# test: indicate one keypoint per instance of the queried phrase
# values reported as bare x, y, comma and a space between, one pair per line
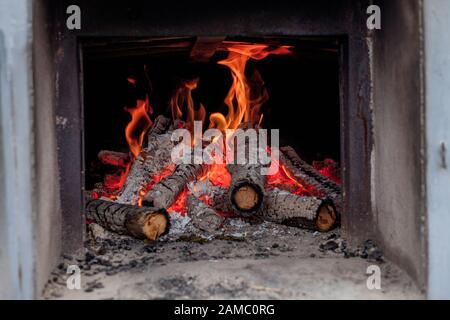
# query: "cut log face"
165, 192
246, 198
326, 218
141, 223
298, 211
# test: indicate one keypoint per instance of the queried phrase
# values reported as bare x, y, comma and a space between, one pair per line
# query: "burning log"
247, 188
298, 211
220, 199
127, 219
203, 216
247, 182
114, 158
150, 161
161, 125
165, 192
286, 208
306, 174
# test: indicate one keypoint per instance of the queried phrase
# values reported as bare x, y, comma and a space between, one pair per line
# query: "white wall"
437, 86
17, 151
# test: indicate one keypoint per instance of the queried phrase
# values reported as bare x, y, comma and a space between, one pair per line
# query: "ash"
244, 259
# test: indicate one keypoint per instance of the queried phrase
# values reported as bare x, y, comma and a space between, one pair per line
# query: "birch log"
165, 192
306, 174
150, 161
247, 182
138, 222
298, 211
203, 216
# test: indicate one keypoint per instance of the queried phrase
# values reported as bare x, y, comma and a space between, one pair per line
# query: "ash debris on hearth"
368, 250
108, 255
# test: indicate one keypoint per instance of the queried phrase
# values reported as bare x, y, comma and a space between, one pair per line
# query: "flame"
218, 175
257, 51
244, 100
180, 203
138, 126
246, 96
183, 107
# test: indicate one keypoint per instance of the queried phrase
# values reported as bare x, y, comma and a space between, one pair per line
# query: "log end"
156, 224
326, 217
246, 198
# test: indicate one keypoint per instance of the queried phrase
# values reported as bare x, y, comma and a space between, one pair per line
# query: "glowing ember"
180, 204
329, 168
154, 180
218, 175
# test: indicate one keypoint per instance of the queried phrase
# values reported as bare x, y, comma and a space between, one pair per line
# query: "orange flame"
285, 178
244, 100
246, 96
183, 107
138, 126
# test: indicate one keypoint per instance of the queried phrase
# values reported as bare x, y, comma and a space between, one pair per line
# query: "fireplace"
311, 82
303, 83
133, 74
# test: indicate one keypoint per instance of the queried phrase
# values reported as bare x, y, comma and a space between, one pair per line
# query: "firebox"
285, 83
138, 89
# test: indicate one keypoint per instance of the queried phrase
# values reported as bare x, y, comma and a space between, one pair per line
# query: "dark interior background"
303, 92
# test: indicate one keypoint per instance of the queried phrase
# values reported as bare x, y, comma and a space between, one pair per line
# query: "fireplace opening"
137, 93
324, 74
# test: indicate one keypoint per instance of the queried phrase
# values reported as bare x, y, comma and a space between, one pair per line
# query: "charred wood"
298, 211
114, 158
203, 216
150, 161
165, 192
306, 174
138, 222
